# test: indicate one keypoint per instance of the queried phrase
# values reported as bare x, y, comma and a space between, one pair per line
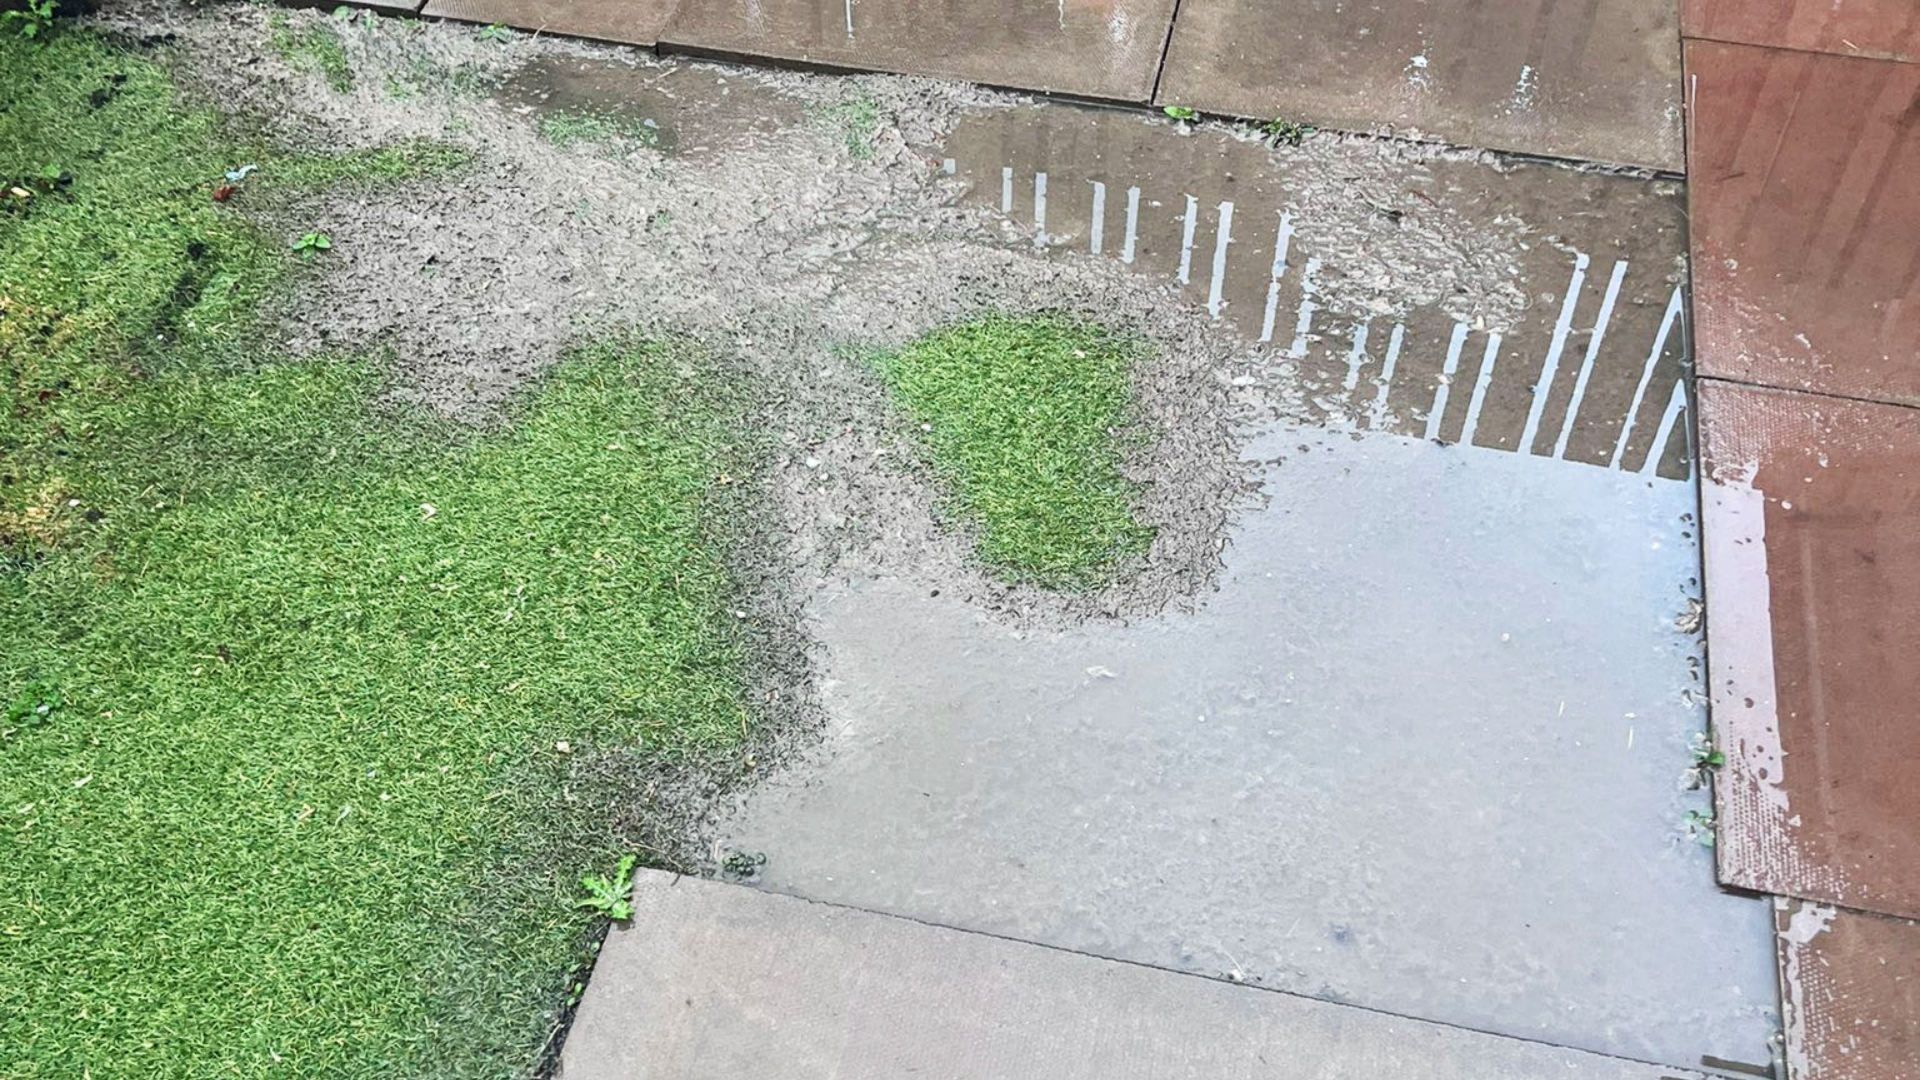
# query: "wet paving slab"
1594, 80
629, 22
1531, 308
1421, 752
1806, 206
1851, 987
1882, 28
1092, 48
1813, 577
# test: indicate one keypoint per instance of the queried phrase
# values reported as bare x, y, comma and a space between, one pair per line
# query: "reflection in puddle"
1526, 308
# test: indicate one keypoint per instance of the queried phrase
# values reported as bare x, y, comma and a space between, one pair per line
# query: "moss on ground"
292, 685
1026, 423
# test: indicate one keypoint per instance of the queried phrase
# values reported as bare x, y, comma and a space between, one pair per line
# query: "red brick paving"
1806, 220
1885, 28
1850, 992
1813, 593
1804, 186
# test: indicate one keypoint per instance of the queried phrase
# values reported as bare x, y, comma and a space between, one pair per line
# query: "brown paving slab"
397, 7
1813, 623
1805, 194
1096, 48
1850, 993
631, 22
1883, 28
1590, 79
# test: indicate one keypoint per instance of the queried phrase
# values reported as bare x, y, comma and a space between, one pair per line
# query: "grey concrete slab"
715, 980
1095, 48
1422, 752
1597, 80
1384, 273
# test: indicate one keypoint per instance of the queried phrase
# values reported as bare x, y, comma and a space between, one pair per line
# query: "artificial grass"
299, 681
1026, 421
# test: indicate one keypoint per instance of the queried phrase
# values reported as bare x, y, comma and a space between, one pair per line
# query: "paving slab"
1806, 201
1851, 983
1597, 80
1524, 307
716, 980
397, 7
629, 22
1813, 592
1421, 752
1093, 48
1882, 28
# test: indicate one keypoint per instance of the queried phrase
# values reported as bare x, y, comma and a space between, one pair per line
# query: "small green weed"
612, 897
308, 243
1706, 759
1026, 421
499, 32
1286, 132
1705, 756
33, 22
1699, 826
1181, 112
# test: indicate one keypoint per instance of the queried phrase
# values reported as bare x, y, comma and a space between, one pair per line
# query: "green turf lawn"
280, 791
1026, 421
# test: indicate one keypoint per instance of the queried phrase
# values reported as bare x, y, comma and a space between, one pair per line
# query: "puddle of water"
1521, 307
690, 111
1420, 751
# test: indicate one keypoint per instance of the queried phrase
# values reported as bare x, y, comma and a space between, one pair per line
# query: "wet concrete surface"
1094, 48
1596, 80
714, 112
1813, 576
1421, 752
1806, 206
713, 980
630, 22
1451, 296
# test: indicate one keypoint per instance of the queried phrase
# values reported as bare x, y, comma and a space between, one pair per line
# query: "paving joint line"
1803, 50
1828, 394
1177, 973
1166, 47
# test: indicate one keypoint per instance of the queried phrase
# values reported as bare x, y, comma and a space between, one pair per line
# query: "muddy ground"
782, 219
